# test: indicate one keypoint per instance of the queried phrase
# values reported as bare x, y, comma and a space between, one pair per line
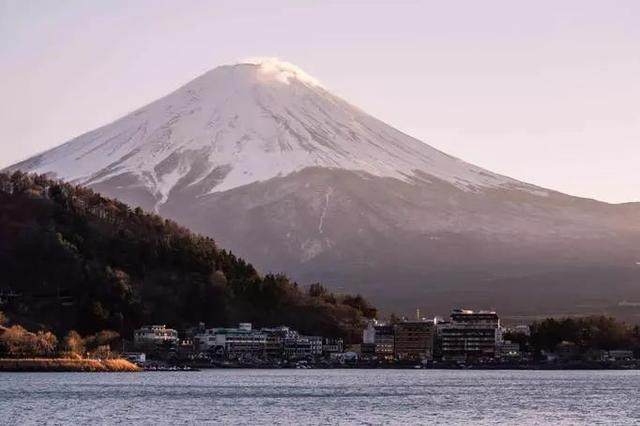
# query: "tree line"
584, 334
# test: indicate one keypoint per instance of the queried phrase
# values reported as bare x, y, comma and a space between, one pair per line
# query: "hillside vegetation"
72, 259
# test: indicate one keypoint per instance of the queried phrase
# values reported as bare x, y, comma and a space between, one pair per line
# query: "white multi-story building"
154, 334
233, 341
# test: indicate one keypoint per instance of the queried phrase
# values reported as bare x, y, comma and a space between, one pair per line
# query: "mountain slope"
271, 164
81, 261
430, 245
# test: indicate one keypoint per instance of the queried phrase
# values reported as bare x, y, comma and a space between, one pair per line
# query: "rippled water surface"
322, 397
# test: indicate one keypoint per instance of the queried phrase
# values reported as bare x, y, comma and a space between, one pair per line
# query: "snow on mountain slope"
250, 122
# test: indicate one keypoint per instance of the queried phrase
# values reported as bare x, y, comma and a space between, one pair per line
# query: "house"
150, 335
135, 357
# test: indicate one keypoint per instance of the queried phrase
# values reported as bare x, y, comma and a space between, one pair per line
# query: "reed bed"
68, 364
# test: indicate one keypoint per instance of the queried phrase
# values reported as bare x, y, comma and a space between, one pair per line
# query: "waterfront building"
381, 338
234, 342
368, 350
384, 341
135, 357
276, 337
297, 348
470, 335
284, 342
508, 351
620, 355
154, 335
274, 346
567, 351
413, 340
332, 346
315, 344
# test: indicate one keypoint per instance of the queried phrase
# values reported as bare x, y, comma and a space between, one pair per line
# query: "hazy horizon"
543, 93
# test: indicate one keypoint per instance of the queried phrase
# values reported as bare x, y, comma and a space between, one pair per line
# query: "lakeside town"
467, 339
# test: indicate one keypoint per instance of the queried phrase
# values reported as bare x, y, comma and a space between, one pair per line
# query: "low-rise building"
150, 335
567, 351
276, 337
620, 355
297, 348
384, 341
233, 342
332, 346
315, 343
508, 351
135, 357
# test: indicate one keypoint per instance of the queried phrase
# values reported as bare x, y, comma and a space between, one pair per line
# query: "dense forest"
72, 259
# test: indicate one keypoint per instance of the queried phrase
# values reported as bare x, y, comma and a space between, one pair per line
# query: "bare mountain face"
264, 159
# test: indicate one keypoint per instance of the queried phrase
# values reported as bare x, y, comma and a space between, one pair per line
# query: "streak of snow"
327, 195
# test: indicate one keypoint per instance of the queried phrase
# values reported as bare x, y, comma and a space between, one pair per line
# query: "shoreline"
576, 365
67, 365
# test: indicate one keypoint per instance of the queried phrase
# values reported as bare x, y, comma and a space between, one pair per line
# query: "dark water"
322, 397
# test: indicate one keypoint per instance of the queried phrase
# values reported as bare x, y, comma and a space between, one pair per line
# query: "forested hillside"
72, 259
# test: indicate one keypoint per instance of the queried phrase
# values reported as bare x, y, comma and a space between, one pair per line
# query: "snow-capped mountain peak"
282, 71
243, 123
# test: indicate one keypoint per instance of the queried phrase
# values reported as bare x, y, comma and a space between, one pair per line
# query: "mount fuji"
263, 158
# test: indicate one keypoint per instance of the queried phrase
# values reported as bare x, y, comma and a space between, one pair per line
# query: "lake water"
322, 397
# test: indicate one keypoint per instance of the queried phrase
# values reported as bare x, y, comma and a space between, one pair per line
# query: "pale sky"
543, 91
